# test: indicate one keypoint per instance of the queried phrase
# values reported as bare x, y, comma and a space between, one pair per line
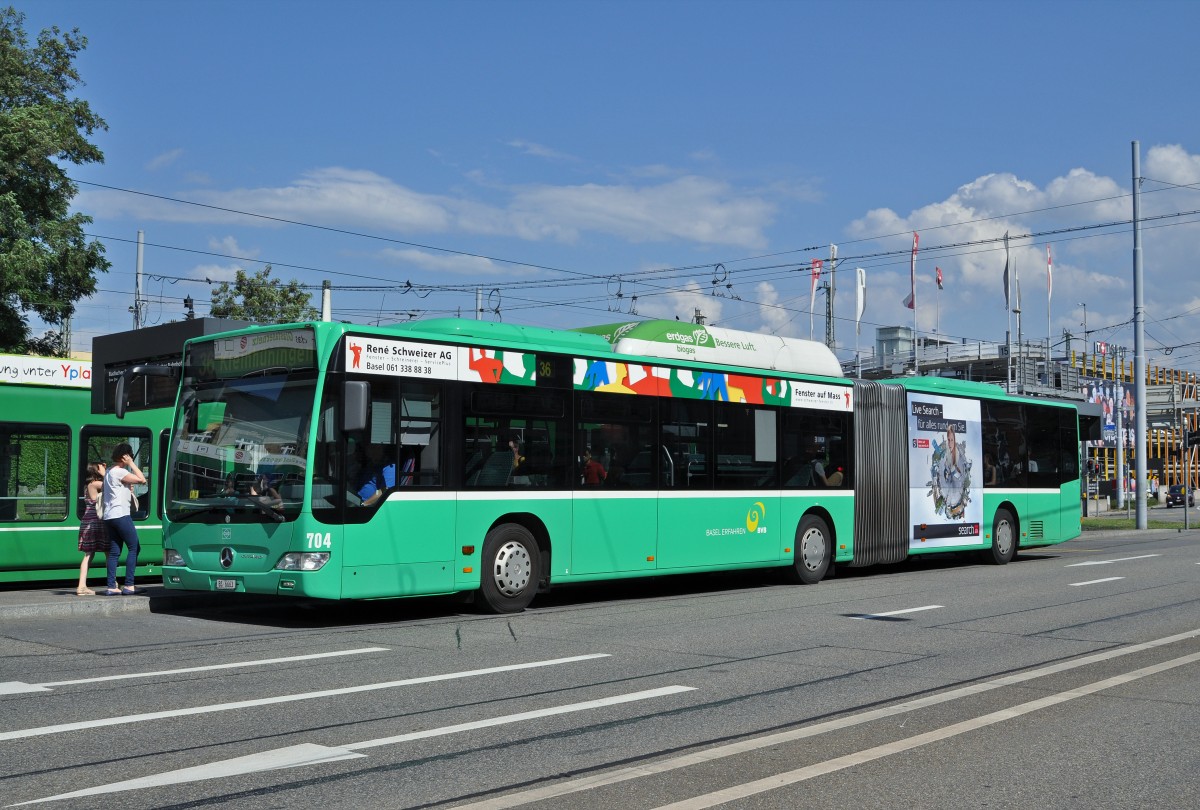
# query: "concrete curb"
62, 603
1132, 534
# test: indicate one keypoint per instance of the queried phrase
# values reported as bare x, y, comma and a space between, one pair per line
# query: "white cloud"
337, 196
1090, 265
776, 315
164, 160
1171, 164
229, 246
982, 210
681, 304
215, 272
538, 150
691, 209
446, 262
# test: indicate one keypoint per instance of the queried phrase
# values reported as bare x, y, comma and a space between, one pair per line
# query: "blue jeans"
121, 532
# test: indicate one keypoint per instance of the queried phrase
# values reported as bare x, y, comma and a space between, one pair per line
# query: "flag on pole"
1049, 275
1006, 284
817, 264
911, 301
939, 278
862, 299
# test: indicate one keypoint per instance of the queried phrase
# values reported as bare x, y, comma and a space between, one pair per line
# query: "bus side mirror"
122, 404
356, 401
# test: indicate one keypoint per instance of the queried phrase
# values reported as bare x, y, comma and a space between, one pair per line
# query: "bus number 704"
319, 540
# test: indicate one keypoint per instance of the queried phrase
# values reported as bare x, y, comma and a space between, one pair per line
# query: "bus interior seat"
494, 472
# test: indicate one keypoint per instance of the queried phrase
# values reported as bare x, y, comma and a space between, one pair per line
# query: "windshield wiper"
203, 510
275, 515
267, 372
254, 501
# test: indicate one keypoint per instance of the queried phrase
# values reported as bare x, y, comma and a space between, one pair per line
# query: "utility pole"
1139, 337
830, 289
1049, 295
1019, 369
1007, 321
138, 305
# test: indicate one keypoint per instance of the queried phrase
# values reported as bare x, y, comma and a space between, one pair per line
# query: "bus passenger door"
719, 501
615, 504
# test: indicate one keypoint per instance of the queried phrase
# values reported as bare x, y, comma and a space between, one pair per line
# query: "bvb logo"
756, 513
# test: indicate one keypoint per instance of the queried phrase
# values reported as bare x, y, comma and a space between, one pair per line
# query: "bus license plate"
227, 584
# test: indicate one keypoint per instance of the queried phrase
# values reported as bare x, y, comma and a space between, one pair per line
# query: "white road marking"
310, 753
1094, 581
17, 687
1110, 562
245, 704
897, 612
937, 735
291, 757
555, 790
515, 718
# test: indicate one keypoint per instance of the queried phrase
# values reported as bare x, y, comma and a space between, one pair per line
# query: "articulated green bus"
348, 462
48, 436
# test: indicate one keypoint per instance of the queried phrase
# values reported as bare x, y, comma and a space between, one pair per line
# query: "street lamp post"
1084, 305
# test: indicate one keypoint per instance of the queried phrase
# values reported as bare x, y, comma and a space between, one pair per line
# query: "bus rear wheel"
1004, 539
511, 569
814, 551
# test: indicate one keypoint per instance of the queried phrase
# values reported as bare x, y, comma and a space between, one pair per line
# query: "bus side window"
98, 443
420, 435
34, 467
495, 417
687, 442
329, 463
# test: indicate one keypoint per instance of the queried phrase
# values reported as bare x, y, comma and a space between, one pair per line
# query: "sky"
588, 162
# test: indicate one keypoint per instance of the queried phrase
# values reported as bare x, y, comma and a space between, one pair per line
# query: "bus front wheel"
814, 551
1004, 539
511, 569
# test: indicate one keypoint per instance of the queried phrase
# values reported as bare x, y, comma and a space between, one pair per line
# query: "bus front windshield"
241, 430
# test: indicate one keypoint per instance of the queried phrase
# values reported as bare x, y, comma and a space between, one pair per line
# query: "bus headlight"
172, 557
302, 561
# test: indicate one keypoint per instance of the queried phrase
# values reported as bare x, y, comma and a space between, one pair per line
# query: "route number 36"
319, 540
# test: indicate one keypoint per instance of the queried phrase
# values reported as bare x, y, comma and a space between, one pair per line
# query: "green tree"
263, 299
46, 261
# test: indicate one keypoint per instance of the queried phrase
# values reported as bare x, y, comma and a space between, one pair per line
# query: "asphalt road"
1068, 679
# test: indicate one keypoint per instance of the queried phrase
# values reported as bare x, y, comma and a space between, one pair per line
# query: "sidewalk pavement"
20, 600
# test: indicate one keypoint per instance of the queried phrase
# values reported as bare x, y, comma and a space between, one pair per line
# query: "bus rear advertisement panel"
458, 456
945, 484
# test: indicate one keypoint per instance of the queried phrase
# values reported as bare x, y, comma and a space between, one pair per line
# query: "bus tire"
814, 551
511, 569
1004, 539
